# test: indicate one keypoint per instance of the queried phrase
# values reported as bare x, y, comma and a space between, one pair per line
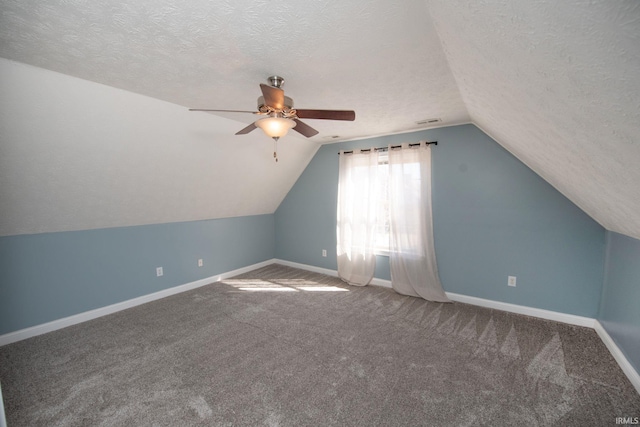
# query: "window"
411, 171
382, 224
384, 207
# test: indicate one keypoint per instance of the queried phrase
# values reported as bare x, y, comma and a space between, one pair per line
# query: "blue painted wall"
620, 306
493, 217
44, 277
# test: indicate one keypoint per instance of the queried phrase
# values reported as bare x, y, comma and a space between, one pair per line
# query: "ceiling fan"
280, 116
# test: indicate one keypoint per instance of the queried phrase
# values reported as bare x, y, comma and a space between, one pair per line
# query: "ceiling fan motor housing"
263, 108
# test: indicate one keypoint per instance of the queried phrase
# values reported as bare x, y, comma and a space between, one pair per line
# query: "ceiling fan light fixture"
275, 127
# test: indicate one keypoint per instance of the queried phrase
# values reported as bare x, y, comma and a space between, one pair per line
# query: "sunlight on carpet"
281, 285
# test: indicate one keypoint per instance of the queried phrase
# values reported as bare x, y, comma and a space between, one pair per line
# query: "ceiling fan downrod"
276, 81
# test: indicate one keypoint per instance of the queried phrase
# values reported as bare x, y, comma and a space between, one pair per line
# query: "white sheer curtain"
412, 254
357, 197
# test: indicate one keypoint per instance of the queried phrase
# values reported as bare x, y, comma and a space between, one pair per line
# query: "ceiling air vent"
429, 121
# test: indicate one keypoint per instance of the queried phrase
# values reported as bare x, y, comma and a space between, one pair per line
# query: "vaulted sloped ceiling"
556, 83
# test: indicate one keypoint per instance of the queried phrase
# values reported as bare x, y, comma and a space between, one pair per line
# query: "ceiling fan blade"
304, 129
246, 130
273, 96
222, 111
326, 114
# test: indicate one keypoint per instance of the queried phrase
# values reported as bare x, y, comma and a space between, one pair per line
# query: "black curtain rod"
393, 146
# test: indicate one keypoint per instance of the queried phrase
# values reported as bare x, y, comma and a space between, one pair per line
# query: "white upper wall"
79, 155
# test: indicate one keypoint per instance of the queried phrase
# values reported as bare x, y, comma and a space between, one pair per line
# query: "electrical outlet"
200, 263
511, 281
324, 253
159, 271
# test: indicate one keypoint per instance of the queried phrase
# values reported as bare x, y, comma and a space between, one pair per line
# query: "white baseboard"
103, 311
617, 354
512, 308
522, 309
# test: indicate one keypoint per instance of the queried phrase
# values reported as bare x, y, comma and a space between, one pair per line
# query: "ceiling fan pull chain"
275, 149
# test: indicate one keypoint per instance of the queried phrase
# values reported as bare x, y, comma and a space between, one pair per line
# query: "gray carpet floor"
286, 347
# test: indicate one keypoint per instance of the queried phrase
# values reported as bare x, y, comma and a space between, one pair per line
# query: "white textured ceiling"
556, 83
382, 59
